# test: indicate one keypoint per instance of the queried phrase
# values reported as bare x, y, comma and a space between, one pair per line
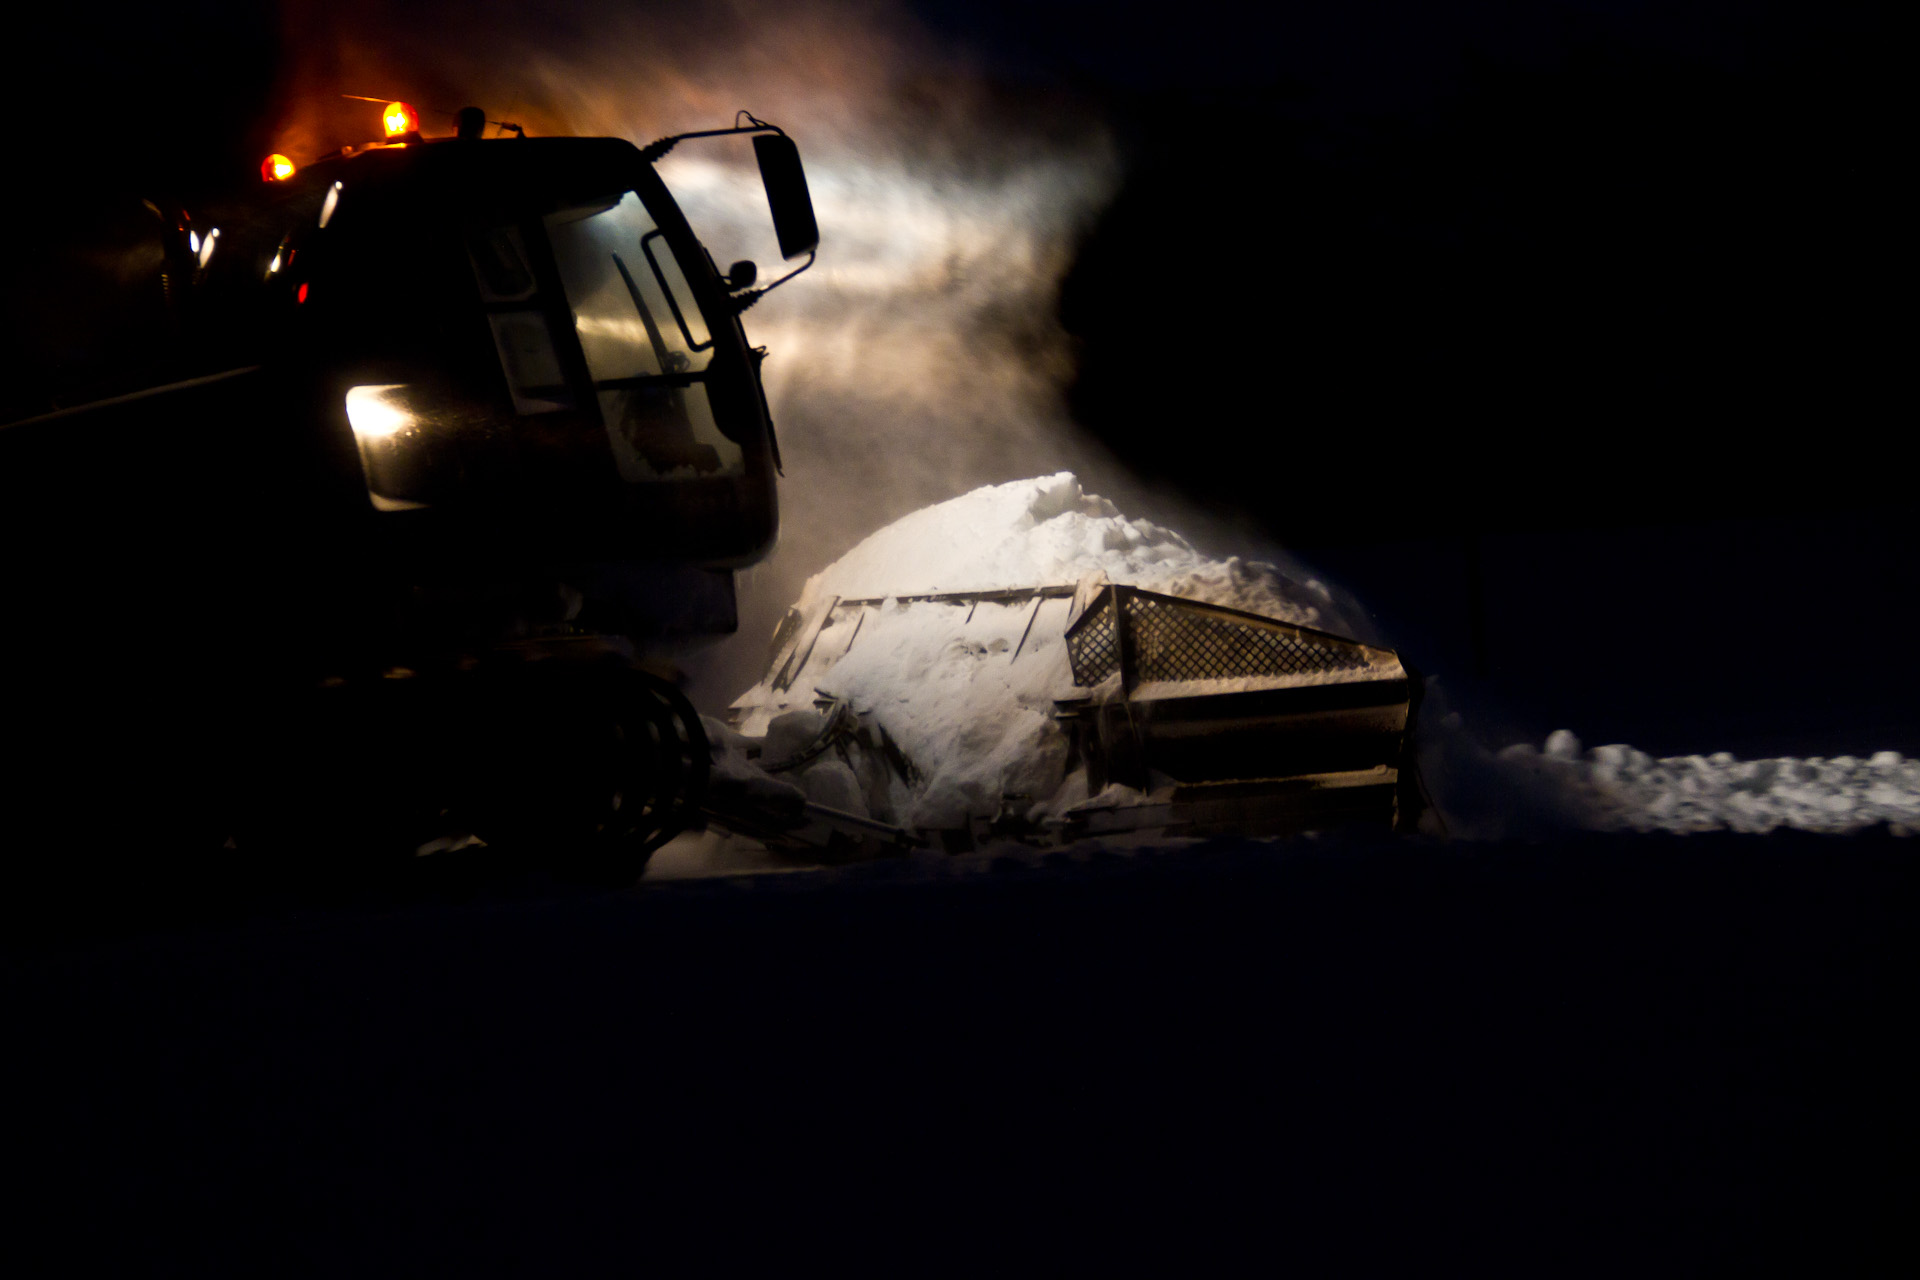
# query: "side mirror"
787, 194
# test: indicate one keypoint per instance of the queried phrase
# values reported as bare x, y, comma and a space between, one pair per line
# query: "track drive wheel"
591, 769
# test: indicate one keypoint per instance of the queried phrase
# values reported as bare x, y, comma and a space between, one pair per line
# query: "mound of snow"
1048, 531
967, 693
977, 725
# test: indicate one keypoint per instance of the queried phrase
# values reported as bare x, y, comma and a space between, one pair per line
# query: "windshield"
509, 353
640, 331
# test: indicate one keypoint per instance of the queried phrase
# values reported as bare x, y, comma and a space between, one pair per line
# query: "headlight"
376, 413
390, 447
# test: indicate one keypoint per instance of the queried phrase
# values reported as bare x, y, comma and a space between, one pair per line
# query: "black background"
1673, 1056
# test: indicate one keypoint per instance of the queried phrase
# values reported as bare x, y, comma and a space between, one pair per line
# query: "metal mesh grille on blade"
1173, 642
1093, 648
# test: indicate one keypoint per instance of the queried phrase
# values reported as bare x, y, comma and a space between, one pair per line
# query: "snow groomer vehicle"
457, 430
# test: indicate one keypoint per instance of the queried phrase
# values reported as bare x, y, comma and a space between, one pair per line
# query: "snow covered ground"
1618, 788
966, 692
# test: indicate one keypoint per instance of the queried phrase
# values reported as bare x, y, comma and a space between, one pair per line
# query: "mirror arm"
656, 149
741, 301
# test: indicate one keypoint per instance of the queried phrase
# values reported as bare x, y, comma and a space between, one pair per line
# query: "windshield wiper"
661, 355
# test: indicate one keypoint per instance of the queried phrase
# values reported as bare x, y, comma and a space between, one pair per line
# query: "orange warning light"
399, 119
276, 168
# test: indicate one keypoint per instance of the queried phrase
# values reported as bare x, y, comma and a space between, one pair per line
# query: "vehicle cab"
508, 356
523, 336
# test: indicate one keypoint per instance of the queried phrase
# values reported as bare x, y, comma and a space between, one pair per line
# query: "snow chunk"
1562, 745
737, 779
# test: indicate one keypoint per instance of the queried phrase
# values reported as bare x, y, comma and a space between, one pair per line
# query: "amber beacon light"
399, 120
276, 168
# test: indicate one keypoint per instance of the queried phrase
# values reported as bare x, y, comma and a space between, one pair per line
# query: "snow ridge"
1618, 788
1049, 531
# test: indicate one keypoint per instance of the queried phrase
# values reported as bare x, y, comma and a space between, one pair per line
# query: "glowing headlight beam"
375, 417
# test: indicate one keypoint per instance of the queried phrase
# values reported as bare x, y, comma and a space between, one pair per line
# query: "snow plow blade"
1233, 722
1186, 718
